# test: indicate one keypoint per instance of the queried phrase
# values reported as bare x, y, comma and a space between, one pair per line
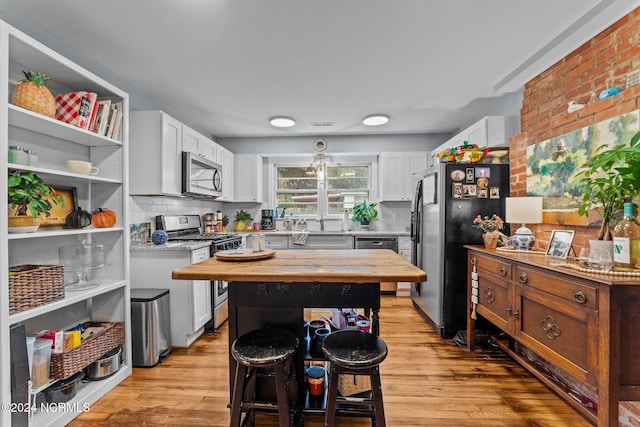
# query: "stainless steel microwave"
200, 176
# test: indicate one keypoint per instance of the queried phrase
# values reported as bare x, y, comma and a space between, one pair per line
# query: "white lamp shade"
523, 210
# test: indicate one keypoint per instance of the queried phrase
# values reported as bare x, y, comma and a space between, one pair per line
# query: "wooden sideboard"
587, 325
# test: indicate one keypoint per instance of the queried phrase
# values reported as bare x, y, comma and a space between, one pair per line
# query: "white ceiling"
226, 66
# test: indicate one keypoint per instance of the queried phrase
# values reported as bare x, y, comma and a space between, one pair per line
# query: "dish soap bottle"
345, 220
626, 240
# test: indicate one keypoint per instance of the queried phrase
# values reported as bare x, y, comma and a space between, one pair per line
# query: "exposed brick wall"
599, 63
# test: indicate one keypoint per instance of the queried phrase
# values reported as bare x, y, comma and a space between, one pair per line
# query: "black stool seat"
354, 349
359, 353
264, 347
269, 351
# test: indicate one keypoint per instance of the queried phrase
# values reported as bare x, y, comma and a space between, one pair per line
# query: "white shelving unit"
56, 142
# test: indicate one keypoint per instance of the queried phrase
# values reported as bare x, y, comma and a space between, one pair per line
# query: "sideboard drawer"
494, 266
573, 291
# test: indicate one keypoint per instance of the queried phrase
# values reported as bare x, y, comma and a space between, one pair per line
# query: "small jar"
17, 155
315, 377
32, 158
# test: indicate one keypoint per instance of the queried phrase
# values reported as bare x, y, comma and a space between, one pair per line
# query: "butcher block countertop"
303, 265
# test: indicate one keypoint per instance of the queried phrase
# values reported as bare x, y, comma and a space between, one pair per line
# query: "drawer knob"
490, 295
474, 261
503, 271
509, 310
550, 327
580, 297
516, 314
523, 278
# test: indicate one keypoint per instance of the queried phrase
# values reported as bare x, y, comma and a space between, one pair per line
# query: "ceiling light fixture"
375, 120
282, 121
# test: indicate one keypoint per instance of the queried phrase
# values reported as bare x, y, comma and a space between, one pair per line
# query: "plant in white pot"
606, 179
29, 196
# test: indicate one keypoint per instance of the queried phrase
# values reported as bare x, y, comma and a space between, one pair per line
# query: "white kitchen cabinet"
404, 250
395, 174
319, 241
56, 142
190, 301
197, 143
156, 154
276, 241
228, 176
248, 178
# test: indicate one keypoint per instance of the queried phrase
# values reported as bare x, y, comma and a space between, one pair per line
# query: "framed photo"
140, 233
483, 172
457, 190
470, 176
483, 193
58, 214
560, 243
469, 190
494, 192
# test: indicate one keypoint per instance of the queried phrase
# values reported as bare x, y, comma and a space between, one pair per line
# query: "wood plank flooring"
427, 381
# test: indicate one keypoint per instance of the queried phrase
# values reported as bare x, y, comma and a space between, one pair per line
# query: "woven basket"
31, 286
348, 384
63, 365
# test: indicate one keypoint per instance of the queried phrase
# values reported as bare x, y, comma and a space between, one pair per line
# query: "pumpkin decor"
103, 218
78, 219
32, 94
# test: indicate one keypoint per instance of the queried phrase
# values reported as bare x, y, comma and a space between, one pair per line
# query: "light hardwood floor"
427, 381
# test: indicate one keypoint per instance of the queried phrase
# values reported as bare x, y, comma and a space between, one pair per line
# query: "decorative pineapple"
32, 94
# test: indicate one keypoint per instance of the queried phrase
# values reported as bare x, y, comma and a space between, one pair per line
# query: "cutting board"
244, 255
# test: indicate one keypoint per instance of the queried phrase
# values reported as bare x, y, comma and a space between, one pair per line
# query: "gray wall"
335, 143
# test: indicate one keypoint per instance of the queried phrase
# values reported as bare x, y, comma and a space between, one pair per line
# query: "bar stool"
357, 353
270, 351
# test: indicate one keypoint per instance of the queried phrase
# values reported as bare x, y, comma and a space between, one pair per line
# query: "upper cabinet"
395, 174
491, 131
249, 179
228, 175
195, 142
105, 297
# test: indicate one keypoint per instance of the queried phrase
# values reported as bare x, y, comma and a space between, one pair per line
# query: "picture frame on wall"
58, 212
560, 243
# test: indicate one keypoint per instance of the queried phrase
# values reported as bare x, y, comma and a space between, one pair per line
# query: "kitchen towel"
299, 238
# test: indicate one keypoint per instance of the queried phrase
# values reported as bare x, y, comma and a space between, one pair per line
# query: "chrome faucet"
321, 221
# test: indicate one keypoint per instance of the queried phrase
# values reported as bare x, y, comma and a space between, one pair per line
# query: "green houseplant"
30, 197
364, 212
609, 177
240, 221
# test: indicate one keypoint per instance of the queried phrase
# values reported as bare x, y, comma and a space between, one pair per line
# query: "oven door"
220, 291
201, 177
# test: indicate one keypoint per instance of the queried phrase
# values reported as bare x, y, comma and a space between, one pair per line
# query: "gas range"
188, 228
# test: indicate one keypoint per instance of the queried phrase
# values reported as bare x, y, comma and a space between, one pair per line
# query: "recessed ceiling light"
375, 120
282, 121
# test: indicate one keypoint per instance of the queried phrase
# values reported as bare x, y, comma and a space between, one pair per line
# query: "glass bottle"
626, 241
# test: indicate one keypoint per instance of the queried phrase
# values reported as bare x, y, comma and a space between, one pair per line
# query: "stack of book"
84, 110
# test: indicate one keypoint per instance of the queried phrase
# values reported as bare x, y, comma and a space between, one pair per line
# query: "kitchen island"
275, 291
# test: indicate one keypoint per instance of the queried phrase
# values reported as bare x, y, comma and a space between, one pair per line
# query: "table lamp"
523, 210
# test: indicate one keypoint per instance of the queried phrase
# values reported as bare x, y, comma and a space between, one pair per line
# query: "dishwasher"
379, 242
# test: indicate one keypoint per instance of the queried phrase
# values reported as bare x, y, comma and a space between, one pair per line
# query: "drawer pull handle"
523, 277
509, 310
490, 295
516, 314
550, 327
503, 270
473, 261
580, 296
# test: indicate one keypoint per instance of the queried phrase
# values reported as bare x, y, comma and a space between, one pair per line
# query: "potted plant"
364, 213
490, 227
606, 179
30, 197
240, 222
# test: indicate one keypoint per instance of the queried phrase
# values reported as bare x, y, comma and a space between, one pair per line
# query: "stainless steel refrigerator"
446, 200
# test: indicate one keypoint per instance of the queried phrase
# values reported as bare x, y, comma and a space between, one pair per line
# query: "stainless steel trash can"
150, 326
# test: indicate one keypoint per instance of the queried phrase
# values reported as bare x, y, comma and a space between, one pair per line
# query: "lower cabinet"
583, 325
190, 301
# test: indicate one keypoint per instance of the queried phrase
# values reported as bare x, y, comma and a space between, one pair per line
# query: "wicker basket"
63, 365
31, 286
349, 384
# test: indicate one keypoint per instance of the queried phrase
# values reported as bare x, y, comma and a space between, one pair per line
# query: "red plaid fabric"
74, 108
